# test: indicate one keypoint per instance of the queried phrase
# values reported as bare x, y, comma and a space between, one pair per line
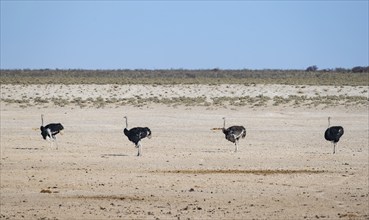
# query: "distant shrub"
360, 69
312, 68
341, 70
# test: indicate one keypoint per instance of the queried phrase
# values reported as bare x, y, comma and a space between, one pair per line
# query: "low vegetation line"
104, 197
258, 101
179, 76
256, 172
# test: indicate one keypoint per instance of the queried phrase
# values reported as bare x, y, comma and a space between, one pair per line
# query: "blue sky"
184, 34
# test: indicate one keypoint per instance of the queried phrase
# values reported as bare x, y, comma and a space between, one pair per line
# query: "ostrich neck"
126, 123
329, 122
224, 123
42, 120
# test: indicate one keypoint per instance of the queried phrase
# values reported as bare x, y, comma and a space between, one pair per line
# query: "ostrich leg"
334, 148
235, 143
139, 149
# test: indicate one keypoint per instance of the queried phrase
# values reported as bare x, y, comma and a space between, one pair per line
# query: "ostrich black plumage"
50, 130
234, 133
333, 134
136, 134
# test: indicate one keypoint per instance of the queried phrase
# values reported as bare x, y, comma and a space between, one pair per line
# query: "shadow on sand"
114, 155
26, 148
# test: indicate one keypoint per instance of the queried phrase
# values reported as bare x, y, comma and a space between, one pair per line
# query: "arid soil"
284, 169
170, 91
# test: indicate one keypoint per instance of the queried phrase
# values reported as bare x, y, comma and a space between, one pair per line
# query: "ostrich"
136, 134
234, 133
50, 130
333, 134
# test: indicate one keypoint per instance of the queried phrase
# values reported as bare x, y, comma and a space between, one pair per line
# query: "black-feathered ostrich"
333, 134
136, 134
234, 133
50, 130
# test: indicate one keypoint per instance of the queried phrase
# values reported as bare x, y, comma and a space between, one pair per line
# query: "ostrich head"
329, 121
126, 121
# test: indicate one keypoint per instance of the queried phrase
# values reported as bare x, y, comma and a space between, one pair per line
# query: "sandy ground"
171, 91
283, 170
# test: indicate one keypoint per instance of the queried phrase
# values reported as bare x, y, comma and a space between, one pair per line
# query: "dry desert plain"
285, 169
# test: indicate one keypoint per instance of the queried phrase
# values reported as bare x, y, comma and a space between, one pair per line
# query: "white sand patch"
171, 91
